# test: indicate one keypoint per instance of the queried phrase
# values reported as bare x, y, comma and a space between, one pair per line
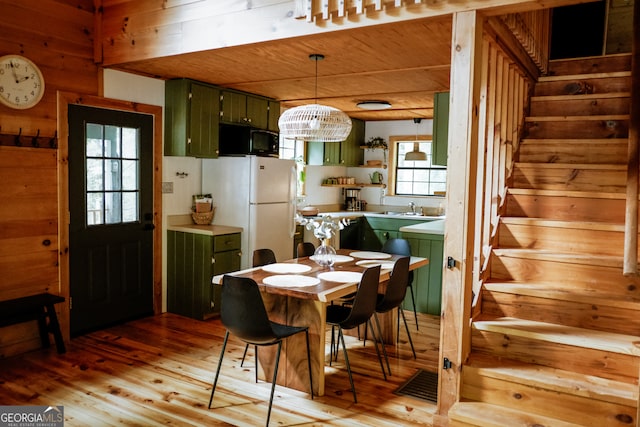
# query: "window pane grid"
418, 178
112, 174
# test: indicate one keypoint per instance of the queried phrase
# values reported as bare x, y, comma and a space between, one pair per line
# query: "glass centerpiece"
324, 228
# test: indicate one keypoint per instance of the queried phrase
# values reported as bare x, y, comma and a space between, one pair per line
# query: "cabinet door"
274, 116
440, 128
204, 121
332, 153
427, 282
233, 107
350, 152
176, 113
323, 153
257, 112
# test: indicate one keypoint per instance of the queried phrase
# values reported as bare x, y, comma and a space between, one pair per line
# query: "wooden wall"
58, 36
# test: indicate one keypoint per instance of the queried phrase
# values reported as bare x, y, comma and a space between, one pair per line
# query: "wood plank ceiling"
402, 63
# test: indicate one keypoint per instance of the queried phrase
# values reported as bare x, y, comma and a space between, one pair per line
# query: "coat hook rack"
34, 140
53, 142
17, 140
182, 174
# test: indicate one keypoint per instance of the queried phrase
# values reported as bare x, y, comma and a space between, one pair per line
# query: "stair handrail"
630, 262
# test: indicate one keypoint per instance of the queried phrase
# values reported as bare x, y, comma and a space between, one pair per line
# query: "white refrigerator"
257, 194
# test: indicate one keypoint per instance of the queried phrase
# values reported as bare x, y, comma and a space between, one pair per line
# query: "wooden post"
633, 162
455, 339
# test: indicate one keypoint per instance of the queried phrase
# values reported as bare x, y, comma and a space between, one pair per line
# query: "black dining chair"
243, 313
305, 249
392, 298
263, 257
260, 257
360, 312
398, 246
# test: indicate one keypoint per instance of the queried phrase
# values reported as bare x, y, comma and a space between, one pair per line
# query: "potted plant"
378, 143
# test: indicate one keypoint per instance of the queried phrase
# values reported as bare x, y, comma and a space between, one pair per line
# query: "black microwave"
237, 140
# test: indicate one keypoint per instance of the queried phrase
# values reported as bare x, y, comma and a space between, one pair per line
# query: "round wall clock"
21, 82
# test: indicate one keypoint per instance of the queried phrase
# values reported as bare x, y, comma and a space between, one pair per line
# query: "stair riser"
562, 312
596, 85
569, 179
587, 361
564, 129
610, 64
566, 208
579, 107
565, 275
574, 240
613, 152
535, 400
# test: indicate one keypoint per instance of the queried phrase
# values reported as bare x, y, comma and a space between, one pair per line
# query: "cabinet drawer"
225, 242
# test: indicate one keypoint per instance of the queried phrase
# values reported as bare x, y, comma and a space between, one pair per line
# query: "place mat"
340, 276
286, 267
384, 265
336, 258
290, 281
370, 255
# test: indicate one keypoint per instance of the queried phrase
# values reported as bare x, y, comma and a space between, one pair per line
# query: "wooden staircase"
556, 341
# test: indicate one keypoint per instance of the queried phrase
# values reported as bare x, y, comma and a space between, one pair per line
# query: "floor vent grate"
422, 385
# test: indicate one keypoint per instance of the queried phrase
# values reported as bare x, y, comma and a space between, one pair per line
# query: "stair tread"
560, 334
554, 379
555, 291
563, 193
592, 117
582, 96
489, 415
563, 77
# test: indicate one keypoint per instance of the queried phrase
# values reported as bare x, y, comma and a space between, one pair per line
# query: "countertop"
357, 214
185, 224
429, 227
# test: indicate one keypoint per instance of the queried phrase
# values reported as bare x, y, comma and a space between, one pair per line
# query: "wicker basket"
203, 218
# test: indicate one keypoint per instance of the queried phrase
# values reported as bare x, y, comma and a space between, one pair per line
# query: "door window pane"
112, 183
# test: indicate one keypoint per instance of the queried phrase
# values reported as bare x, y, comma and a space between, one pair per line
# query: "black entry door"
111, 205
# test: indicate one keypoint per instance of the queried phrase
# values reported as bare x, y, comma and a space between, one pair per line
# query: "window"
293, 149
416, 178
112, 174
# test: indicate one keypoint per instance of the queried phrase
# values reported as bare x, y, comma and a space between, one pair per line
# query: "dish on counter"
340, 276
384, 265
286, 267
337, 258
290, 281
370, 255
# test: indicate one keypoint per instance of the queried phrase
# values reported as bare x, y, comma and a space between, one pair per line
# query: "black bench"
35, 307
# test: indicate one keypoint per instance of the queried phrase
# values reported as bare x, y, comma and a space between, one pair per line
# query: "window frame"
393, 166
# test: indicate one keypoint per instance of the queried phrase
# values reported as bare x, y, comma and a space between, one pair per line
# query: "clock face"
21, 82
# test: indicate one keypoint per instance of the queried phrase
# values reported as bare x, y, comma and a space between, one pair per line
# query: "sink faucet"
412, 205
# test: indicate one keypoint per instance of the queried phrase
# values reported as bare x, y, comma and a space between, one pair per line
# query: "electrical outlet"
167, 187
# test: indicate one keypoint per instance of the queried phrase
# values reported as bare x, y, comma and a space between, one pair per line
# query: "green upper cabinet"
241, 108
345, 153
440, 128
191, 119
274, 115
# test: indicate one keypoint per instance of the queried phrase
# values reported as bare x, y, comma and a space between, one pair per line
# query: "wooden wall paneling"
455, 338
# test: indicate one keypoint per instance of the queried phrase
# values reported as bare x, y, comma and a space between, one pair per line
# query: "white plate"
370, 255
384, 265
338, 258
282, 268
290, 281
341, 276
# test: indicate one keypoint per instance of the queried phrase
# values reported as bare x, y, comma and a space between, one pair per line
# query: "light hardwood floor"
159, 370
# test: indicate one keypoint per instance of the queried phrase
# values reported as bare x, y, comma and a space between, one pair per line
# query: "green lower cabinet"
192, 260
427, 282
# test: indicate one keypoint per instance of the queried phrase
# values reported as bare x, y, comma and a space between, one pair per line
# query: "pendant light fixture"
416, 154
315, 122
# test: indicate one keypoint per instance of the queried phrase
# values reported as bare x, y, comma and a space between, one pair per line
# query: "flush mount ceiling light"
416, 154
373, 105
315, 122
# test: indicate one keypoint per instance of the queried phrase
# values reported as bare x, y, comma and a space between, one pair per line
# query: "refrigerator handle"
294, 200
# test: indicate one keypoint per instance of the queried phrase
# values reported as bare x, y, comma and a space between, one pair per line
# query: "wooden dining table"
296, 292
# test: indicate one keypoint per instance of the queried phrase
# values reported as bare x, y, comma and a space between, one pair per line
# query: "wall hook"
17, 141
52, 141
34, 140
182, 174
